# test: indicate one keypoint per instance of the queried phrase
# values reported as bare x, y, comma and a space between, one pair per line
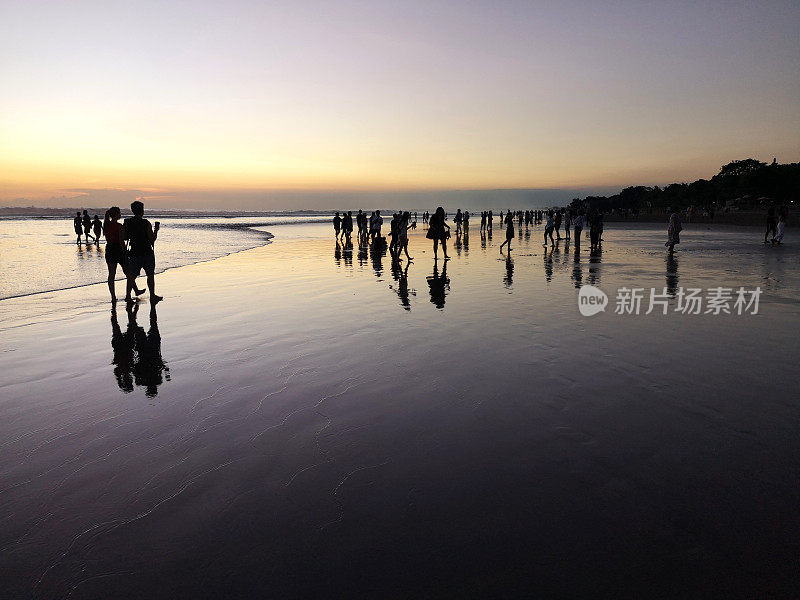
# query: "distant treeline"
740, 185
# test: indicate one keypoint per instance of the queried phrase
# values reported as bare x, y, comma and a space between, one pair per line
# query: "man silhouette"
141, 236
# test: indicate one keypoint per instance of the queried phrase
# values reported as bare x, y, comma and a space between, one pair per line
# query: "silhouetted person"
509, 231
781, 231
402, 234
673, 232
142, 236
578, 230
347, 223
438, 231
557, 224
596, 230
548, 229
394, 226
97, 228
439, 285
771, 223
567, 223
77, 223
115, 250
337, 224
457, 220
137, 355
375, 223
87, 225
361, 219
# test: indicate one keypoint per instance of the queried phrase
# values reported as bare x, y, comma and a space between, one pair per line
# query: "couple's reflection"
137, 355
439, 284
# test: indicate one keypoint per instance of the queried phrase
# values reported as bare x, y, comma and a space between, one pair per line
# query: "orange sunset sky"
236, 104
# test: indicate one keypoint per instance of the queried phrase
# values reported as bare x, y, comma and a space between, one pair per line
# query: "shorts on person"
137, 263
116, 255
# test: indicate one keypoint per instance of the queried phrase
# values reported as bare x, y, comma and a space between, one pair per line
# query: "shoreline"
266, 241
646, 221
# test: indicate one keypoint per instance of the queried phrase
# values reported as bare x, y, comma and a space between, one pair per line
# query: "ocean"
40, 254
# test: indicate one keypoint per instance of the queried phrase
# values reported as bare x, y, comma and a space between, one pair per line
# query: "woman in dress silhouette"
438, 231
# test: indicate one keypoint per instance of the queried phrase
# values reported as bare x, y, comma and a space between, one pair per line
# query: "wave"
49, 273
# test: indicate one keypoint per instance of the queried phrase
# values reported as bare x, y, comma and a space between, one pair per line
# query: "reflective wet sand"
308, 419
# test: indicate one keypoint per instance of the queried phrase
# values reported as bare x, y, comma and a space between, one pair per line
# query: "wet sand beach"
308, 420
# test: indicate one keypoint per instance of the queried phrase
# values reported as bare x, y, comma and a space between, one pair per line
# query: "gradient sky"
230, 100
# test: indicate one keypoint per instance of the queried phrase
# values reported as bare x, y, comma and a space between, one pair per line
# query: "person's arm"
152, 233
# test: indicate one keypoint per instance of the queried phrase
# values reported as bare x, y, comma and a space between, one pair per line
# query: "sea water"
41, 254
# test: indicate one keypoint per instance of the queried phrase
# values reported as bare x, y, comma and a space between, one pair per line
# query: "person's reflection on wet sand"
672, 275
483, 239
122, 345
400, 275
377, 251
337, 253
137, 355
363, 248
347, 251
508, 278
548, 264
577, 269
439, 285
595, 259
466, 242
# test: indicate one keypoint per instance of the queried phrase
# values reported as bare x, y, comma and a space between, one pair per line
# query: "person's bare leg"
444, 249
151, 285
112, 275
405, 249
129, 285
435, 248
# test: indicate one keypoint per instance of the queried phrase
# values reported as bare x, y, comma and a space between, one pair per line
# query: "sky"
294, 104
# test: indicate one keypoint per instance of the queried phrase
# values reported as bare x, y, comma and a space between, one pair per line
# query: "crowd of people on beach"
130, 244
439, 231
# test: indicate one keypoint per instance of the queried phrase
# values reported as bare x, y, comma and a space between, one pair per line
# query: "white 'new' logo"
591, 300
